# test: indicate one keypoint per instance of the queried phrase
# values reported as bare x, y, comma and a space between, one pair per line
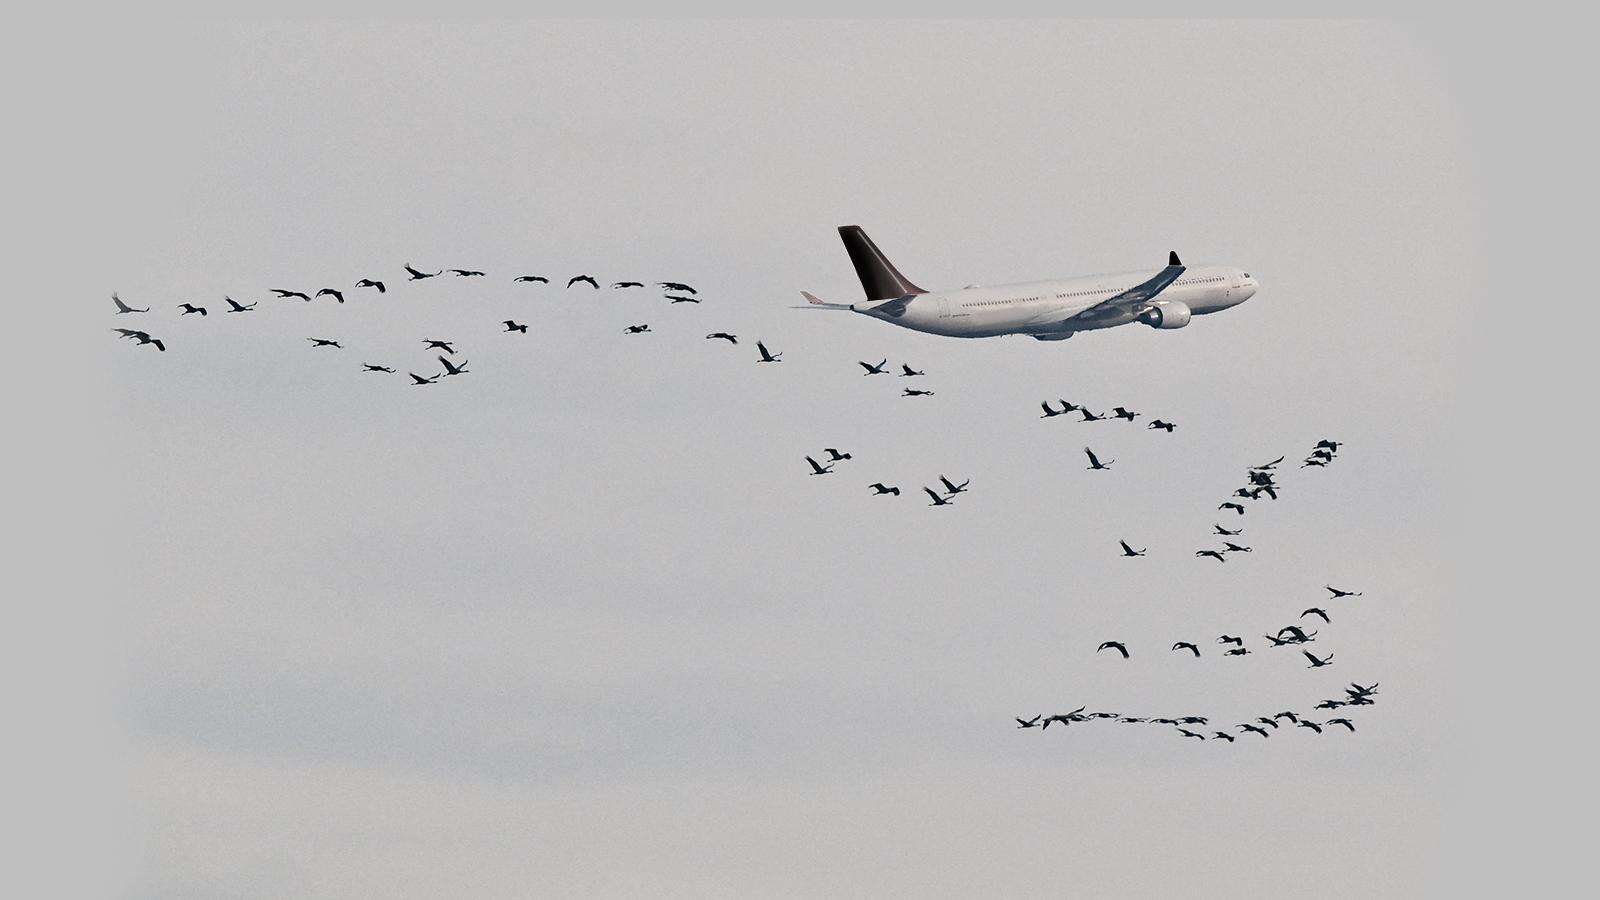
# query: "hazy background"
581, 623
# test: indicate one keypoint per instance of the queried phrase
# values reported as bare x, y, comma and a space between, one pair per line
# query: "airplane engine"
1166, 314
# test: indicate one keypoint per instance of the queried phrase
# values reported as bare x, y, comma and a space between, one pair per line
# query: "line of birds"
1089, 415
878, 488
1288, 635
1355, 695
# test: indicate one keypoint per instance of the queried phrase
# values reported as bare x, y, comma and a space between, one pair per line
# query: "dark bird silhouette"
1164, 426
1337, 593
1243, 492
1278, 641
418, 276
1307, 723
768, 357
1260, 477
722, 336
873, 369
818, 468
1233, 506
1048, 412
1341, 721
418, 379
330, 292
583, 278
1231, 547
528, 278
677, 286
1223, 735
1317, 663
440, 345
1194, 720
1266, 466
1094, 461
1230, 639
1267, 489
1067, 407
288, 294
627, 284
1330, 446
683, 299
1065, 718
908, 372
467, 273
1029, 723
1268, 720
1295, 634
1316, 611
1185, 645
1129, 551
191, 308
1187, 733
1089, 416
637, 329
324, 342
1313, 462
881, 488
1214, 554
913, 392
1358, 690
452, 369
142, 337
128, 332
1238, 651
937, 500
1121, 413
1331, 704
954, 489
1114, 645
1257, 729
235, 306
372, 283
125, 308
369, 367
513, 326
1218, 529
834, 455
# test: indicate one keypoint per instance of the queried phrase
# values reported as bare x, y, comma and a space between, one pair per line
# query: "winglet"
1172, 258
815, 302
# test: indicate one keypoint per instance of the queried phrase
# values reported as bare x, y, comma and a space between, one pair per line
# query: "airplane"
1044, 310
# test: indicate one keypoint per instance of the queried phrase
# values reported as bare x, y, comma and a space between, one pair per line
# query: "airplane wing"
1139, 294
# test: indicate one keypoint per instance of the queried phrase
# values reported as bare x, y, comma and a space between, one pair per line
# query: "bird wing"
1092, 460
936, 497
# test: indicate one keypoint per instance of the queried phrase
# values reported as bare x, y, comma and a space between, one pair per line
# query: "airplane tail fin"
879, 278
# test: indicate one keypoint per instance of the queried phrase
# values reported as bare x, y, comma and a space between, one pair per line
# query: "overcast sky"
581, 623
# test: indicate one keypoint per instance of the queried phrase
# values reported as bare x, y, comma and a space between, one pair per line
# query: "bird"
1269, 490
1307, 723
1238, 651
1089, 416
881, 488
1231, 547
1286, 715
1129, 551
371, 283
529, 278
1114, 645
1317, 663
1313, 462
1065, 718
1341, 721
954, 489
1029, 723
1356, 689
1296, 634
1187, 733
418, 379
908, 372
1278, 641
637, 329
1214, 554
156, 342
324, 342
1331, 704
369, 367
125, 308
835, 455
191, 308
288, 294
418, 276
467, 273
1230, 639
913, 392
937, 500
1185, 645
767, 357
1268, 720
1257, 729
451, 369
330, 292
585, 278
1094, 461
627, 284
722, 336
1233, 506
1223, 531
1067, 406
513, 326
235, 306
873, 369
1121, 413
1223, 735
127, 332
1049, 412
1337, 593
1164, 426
818, 468
439, 345
1265, 466
1261, 477
677, 286
683, 299
1329, 445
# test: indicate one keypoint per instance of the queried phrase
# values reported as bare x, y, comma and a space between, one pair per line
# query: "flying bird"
1065, 718
1129, 551
1337, 593
1049, 412
1268, 720
235, 306
1317, 663
1029, 723
525, 278
1257, 729
1331, 446
324, 342
1231, 547
1230, 639
1313, 462
1089, 416
330, 292
937, 500
627, 284
818, 468
1296, 634
125, 308
451, 369
1223, 735
1307, 723
418, 379
1238, 651
1345, 722
873, 369
418, 276
1187, 733
1265, 466
1094, 461
439, 345
467, 273
513, 326
1214, 554
908, 372
1185, 645
191, 308
881, 488
767, 357
1233, 506
677, 286
1164, 426
1067, 407
913, 392
1316, 611
953, 489
834, 455
1223, 531
1121, 413
683, 299
368, 282
369, 367
637, 329
722, 336
1114, 645
288, 294
156, 342
584, 278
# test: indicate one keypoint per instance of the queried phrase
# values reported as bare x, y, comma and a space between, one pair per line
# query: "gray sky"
581, 623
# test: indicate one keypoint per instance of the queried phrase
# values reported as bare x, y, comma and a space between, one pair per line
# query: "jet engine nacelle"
1166, 314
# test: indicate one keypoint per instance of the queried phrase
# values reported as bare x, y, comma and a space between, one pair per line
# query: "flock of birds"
1354, 695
